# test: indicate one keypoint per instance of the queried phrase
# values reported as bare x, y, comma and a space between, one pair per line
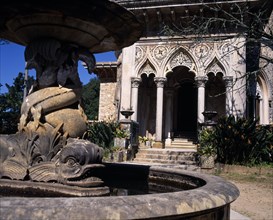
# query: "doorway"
186, 110
184, 103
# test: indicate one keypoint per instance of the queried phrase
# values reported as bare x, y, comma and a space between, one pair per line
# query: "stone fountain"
48, 161
47, 147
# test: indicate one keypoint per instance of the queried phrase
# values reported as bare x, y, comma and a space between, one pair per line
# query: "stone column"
201, 82
228, 83
135, 81
168, 121
159, 110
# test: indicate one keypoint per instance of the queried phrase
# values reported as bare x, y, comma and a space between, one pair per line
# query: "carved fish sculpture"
67, 162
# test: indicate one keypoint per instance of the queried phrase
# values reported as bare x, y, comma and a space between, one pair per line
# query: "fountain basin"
208, 197
96, 25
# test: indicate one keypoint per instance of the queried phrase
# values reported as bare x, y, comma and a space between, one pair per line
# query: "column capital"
201, 81
160, 81
228, 81
135, 81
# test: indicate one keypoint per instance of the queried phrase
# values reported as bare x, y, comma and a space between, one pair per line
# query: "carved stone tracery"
215, 67
148, 69
181, 59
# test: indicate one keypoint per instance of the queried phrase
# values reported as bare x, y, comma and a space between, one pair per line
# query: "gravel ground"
256, 198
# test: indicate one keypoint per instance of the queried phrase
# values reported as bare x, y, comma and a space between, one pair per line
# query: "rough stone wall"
107, 108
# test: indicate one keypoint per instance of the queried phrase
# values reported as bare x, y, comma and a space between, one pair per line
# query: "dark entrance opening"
186, 110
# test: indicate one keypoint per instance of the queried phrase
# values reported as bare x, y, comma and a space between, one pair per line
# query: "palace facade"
169, 80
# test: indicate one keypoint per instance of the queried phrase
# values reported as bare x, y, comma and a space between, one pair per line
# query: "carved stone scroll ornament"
47, 147
49, 158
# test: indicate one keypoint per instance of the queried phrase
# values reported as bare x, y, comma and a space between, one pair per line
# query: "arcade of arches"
180, 101
169, 86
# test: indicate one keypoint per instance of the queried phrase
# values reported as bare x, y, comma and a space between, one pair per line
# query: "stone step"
166, 157
148, 160
168, 151
182, 143
181, 140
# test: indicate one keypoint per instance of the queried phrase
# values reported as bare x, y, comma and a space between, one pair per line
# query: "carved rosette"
160, 81
159, 53
135, 82
201, 50
140, 54
201, 81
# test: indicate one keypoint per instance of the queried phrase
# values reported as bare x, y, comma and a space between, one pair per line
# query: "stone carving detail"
46, 147
181, 59
139, 53
201, 51
147, 69
228, 81
160, 81
135, 81
215, 67
160, 52
200, 81
226, 49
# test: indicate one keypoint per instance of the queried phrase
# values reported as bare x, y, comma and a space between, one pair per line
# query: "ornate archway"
181, 103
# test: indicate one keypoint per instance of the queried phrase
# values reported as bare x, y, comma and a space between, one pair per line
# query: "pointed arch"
263, 97
215, 66
180, 57
147, 68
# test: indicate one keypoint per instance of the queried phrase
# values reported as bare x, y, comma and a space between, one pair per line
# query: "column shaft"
135, 81
159, 107
201, 81
168, 121
228, 82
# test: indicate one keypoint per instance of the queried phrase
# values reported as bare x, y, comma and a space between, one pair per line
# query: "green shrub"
242, 142
102, 133
206, 142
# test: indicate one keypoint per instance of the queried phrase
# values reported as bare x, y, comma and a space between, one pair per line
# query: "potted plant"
206, 149
121, 137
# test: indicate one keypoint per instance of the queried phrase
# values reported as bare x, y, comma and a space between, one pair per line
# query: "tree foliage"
10, 104
90, 98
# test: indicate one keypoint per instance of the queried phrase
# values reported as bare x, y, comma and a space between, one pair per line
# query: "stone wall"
107, 107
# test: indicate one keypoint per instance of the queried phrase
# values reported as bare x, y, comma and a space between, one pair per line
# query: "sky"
12, 62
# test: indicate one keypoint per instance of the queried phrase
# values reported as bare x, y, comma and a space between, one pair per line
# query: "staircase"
165, 156
182, 144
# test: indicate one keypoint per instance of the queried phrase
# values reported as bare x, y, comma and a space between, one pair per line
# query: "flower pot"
121, 142
207, 162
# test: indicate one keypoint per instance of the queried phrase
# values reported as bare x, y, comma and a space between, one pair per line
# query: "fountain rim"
214, 194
